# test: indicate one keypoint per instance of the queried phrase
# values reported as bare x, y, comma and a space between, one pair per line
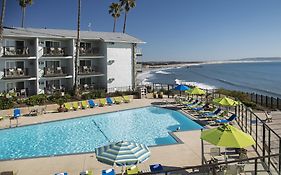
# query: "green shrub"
6, 103
37, 100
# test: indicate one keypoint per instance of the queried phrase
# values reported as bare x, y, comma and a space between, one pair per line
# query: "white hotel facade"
42, 61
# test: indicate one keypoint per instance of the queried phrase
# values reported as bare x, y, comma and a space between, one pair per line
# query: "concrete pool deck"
176, 155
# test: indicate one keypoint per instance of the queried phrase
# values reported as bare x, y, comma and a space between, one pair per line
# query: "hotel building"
42, 61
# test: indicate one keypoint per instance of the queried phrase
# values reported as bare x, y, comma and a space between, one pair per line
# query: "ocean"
258, 77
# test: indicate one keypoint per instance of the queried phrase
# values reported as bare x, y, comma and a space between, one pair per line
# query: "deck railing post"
263, 140
266, 101
246, 119
271, 102
268, 147
256, 133
279, 161
256, 98
242, 108
256, 167
261, 99
251, 122
277, 103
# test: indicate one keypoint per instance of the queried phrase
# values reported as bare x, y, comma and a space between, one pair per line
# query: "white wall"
121, 68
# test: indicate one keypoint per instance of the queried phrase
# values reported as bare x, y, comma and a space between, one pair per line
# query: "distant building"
42, 61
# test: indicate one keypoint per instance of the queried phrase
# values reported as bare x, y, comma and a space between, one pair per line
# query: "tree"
115, 10
127, 5
24, 4
2, 18
76, 89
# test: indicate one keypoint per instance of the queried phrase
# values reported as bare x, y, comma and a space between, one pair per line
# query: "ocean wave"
162, 72
239, 85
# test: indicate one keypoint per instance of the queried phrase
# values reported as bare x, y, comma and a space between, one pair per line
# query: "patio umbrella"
122, 153
225, 101
227, 136
196, 91
181, 88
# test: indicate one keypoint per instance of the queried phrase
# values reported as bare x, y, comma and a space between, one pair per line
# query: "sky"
183, 30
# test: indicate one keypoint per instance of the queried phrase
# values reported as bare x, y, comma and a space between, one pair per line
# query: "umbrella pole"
202, 150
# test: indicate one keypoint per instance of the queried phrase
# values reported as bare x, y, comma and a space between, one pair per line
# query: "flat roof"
69, 34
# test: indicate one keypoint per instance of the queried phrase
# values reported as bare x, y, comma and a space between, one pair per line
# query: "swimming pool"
149, 125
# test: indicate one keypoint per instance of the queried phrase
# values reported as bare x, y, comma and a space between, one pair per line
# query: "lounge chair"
126, 99
231, 118
132, 170
117, 100
199, 108
76, 105
68, 106
87, 172
156, 168
192, 103
61, 173
92, 103
109, 101
102, 102
108, 172
17, 113
211, 114
84, 104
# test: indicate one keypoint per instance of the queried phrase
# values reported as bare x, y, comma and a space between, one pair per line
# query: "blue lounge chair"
210, 114
231, 118
17, 113
109, 101
92, 103
156, 167
193, 103
61, 174
108, 172
199, 108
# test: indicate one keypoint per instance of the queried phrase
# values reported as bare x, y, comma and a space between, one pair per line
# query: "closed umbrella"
181, 88
122, 153
227, 136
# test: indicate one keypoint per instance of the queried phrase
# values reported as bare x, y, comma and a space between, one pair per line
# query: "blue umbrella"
122, 153
181, 87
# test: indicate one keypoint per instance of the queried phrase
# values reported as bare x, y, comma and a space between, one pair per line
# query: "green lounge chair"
117, 100
132, 170
68, 106
102, 102
76, 105
84, 104
126, 99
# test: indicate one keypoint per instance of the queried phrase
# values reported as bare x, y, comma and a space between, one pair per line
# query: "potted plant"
60, 102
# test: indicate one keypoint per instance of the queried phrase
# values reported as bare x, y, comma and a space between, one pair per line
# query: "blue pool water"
149, 125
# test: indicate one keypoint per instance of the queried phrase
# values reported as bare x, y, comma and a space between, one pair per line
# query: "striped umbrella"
122, 153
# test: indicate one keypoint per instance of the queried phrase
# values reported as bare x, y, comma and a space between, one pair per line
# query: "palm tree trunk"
125, 21
76, 90
2, 18
114, 24
23, 16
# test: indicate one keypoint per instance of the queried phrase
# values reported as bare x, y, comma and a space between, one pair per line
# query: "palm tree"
24, 4
76, 89
2, 18
115, 10
127, 4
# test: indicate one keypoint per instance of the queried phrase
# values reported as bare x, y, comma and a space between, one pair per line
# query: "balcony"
16, 52
54, 89
54, 51
16, 73
95, 51
88, 70
86, 87
54, 72
138, 51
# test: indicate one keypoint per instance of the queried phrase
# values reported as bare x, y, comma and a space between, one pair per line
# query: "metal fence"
263, 100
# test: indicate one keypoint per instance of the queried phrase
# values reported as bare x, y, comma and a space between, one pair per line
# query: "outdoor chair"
92, 103
84, 104
117, 100
17, 113
65, 173
126, 99
87, 172
68, 106
215, 151
156, 168
109, 101
210, 114
231, 118
132, 170
102, 102
76, 105
108, 172
232, 169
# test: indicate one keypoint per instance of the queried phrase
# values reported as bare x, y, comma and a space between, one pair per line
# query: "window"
52, 64
55, 44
